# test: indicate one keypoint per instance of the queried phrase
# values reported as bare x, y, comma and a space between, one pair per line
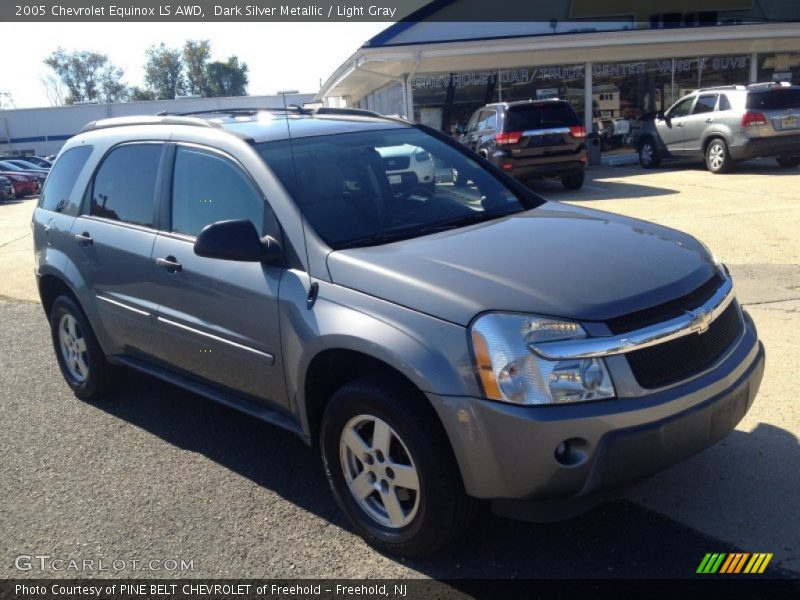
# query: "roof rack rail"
239, 111
769, 84
145, 120
325, 110
723, 87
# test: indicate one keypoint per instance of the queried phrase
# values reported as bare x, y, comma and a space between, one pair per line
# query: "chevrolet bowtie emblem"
701, 320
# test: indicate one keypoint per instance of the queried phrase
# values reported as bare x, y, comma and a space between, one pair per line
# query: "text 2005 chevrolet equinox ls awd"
442, 344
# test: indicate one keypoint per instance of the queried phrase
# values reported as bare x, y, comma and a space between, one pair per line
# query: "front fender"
432, 353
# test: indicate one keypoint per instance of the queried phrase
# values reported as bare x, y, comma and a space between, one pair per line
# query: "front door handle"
84, 238
678, 124
709, 120
170, 263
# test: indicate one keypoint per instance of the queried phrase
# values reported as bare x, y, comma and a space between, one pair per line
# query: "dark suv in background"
727, 124
531, 139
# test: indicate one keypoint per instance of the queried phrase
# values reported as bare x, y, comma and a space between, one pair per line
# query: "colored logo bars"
736, 562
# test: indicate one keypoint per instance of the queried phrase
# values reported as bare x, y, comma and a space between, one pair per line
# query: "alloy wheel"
73, 347
379, 471
647, 154
716, 156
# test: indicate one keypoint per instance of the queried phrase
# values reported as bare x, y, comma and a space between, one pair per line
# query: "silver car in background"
727, 124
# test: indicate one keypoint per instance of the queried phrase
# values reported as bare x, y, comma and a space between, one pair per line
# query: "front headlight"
510, 371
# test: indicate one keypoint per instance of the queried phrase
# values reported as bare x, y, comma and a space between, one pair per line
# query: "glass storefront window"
781, 66
622, 92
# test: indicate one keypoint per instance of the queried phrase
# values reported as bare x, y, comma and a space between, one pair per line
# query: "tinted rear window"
774, 99
61, 180
540, 116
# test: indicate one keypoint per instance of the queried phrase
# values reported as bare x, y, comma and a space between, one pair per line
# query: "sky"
280, 56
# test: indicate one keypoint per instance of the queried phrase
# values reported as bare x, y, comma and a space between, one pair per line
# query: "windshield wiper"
374, 239
462, 221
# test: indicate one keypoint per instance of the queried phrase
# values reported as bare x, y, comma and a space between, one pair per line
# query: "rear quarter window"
61, 179
540, 116
774, 99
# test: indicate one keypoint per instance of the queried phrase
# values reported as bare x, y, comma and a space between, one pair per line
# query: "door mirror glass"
237, 240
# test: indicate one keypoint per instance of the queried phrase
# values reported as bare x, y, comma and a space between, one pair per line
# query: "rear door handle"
709, 120
170, 263
678, 124
84, 239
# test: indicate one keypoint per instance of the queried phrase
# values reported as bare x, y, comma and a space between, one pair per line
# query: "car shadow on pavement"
596, 189
616, 539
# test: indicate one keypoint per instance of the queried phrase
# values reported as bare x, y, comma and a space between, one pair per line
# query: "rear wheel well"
330, 370
50, 288
710, 139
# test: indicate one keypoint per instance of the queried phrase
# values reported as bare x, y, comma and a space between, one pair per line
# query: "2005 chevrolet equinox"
442, 344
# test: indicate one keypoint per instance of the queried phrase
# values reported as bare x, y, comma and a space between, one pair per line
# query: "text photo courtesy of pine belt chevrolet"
442, 345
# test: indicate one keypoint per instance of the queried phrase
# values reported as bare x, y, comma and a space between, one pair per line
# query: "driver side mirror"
237, 240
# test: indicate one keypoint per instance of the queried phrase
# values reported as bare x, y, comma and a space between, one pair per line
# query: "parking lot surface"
157, 473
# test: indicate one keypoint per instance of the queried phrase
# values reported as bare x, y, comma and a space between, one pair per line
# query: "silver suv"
440, 344
725, 125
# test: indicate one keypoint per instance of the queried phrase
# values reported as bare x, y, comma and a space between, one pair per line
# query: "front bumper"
772, 146
508, 452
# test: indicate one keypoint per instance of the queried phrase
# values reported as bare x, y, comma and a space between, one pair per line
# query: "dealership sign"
573, 72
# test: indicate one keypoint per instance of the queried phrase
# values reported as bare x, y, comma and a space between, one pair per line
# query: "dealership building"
42, 131
611, 60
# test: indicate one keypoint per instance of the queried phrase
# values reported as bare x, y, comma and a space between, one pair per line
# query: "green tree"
87, 75
227, 78
196, 55
163, 72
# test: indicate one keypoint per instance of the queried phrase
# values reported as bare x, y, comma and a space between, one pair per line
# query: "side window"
207, 188
724, 103
705, 104
491, 121
473, 122
61, 180
125, 185
483, 120
682, 108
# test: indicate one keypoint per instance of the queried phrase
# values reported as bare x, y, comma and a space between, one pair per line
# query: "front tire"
80, 358
649, 156
717, 158
788, 162
391, 468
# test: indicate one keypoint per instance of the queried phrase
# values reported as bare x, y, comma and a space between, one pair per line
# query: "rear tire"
717, 158
80, 358
365, 470
649, 156
788, 162
574, 181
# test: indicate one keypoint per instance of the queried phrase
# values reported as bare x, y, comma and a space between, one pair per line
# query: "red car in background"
24, 185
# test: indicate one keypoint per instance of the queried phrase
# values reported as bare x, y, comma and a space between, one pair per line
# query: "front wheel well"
330, 370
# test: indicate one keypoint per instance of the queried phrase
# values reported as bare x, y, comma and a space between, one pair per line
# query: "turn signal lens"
483, 364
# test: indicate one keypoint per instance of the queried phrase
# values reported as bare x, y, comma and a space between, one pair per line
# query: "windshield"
373, 187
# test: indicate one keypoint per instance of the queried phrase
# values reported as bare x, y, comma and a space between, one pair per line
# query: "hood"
554, 260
